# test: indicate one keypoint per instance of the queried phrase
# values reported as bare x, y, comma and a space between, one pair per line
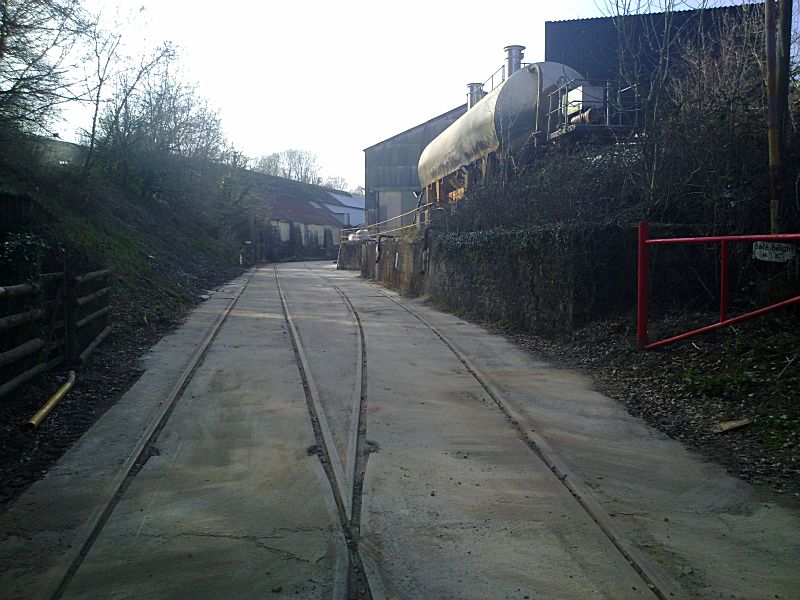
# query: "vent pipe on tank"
514, 58
475, 93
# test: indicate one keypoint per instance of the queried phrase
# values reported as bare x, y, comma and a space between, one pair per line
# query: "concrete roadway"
234, 502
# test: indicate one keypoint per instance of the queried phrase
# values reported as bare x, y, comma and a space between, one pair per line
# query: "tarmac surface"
332, 436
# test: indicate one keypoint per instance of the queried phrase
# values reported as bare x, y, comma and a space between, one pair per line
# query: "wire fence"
394, 225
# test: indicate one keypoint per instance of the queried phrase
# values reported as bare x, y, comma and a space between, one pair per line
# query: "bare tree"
269, 164
104, 47
299, 165
698, 76
335, 182
118, 121
649, 40
37, 38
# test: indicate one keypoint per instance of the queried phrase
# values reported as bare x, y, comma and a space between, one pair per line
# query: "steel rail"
656, 581
88, 533
358, 428
348, 500
317, 413
359, 434
361, 450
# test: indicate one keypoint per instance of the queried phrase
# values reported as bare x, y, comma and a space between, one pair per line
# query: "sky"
334, 77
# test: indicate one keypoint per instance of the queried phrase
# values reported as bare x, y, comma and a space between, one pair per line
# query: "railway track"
86, 538
346, 481
401, 528
346, 478
657, 582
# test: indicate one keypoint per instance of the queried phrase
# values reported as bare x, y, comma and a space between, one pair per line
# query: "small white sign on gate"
773, 251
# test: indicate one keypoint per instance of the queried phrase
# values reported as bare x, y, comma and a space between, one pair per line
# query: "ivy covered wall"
546, 279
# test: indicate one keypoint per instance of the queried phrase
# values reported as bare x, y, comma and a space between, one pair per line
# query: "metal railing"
618, 107
498, 77
420, 214
724, 320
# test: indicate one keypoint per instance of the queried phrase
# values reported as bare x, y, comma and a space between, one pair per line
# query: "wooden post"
69, 317
773, 125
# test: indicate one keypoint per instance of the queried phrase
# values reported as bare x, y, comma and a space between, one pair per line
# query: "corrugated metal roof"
300, 211
291, 200
349, 200
282, 185
688, 10
392, 163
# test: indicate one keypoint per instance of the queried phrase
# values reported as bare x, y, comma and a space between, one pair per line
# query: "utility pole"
784, 66
778, 43
773, 128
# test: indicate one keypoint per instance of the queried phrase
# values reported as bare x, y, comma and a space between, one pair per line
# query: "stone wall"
399, 266
349, 256
546, 280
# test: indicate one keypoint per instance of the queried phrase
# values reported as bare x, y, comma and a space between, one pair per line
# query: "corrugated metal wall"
391, 165
590, 46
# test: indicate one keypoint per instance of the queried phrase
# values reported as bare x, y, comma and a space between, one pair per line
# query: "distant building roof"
349, 200
301, 211
295, 201
56, 151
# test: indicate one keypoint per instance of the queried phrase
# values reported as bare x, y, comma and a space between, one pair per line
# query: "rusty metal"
590, 116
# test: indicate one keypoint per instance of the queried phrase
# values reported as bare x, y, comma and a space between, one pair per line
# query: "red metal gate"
644, 282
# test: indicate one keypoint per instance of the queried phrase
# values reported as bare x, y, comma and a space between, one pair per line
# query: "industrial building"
597, 47
295, 219
391, 179
589, 46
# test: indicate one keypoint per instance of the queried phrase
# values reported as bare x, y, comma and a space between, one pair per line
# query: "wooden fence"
59, 320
